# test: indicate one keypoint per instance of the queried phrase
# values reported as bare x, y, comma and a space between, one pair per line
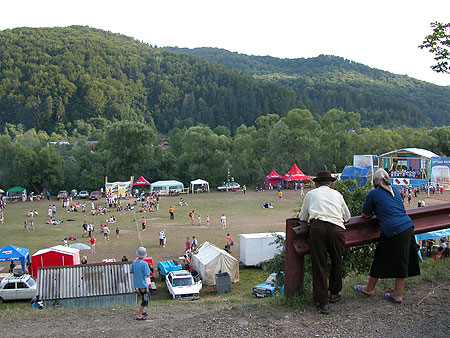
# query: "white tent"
199, 182
209, 260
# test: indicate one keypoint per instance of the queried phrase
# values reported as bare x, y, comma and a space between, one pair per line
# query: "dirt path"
425, 313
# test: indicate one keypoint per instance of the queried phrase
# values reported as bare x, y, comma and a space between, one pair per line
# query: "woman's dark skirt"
396, 256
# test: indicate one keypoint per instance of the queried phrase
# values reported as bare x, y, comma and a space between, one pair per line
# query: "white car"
182, 285
83, 194
17, 287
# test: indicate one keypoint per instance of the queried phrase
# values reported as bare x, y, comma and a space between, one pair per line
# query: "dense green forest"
327, 82
132, 148
51, 78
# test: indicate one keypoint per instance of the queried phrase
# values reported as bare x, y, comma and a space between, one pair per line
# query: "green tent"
16, 192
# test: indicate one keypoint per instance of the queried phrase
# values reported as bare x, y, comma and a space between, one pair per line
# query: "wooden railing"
359, 231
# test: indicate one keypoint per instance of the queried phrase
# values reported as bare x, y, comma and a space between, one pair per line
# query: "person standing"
141, 272
229, 243
25, 225
223, 220
199, 220
117, 232
191, 216
106, 232
188, 245
302, 191
92, 240
194, 243
396, 253
171, 213
84, 234
162, 238
326, 211
207, 220
144, 223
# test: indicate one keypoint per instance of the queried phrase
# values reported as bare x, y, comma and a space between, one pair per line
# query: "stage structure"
407, 166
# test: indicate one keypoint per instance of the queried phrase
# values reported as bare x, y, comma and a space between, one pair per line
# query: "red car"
95, 195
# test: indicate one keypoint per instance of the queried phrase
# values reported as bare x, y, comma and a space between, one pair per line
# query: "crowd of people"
403, 173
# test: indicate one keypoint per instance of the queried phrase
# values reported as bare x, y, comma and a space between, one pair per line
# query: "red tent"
295, 174
273, 178
142, 181
54, 256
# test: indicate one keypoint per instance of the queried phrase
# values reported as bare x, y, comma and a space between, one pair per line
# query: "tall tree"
438, 43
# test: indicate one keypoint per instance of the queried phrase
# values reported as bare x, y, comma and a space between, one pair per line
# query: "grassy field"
243, 211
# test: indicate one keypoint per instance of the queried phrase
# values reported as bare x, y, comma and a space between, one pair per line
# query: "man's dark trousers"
326, 238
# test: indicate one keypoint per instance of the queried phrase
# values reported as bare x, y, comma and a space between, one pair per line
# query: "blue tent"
433, 234
357, 173
15, 253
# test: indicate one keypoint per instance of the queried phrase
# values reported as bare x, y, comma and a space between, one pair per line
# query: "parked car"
268, 288
74, 193
83, 194
17, 287
232, 186
181, 285
95, 195
62, 194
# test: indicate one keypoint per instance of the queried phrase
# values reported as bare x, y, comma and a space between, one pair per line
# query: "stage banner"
440, 172
123, 188
111, 188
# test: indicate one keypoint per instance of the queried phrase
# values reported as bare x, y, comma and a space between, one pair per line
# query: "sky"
380, 34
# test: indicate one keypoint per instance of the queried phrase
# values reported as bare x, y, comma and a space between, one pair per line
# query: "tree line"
30, 157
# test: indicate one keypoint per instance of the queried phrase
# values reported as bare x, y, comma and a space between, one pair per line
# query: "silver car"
17, 287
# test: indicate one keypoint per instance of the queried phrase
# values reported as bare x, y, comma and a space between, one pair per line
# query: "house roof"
416, 151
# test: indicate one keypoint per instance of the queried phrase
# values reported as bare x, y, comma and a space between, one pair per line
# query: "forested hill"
327, 82
58, 79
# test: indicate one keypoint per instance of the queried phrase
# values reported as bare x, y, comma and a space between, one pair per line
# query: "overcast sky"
380, 34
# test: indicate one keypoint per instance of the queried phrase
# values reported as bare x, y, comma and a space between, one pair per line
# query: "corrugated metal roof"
84, 280
417, 151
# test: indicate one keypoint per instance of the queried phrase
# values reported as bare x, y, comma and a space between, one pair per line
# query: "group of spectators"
395, 256
403, 173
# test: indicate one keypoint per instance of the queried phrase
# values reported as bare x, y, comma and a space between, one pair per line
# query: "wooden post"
294, 265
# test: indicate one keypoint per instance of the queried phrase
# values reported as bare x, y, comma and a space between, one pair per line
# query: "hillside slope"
327, 82
53, 77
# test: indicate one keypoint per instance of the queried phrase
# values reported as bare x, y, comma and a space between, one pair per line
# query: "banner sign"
118, 188
440, 172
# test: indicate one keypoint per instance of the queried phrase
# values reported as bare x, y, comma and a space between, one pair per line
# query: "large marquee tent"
199, 182
295, 175
141, 182
16, 193
165, 186
15, 253
273, 179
